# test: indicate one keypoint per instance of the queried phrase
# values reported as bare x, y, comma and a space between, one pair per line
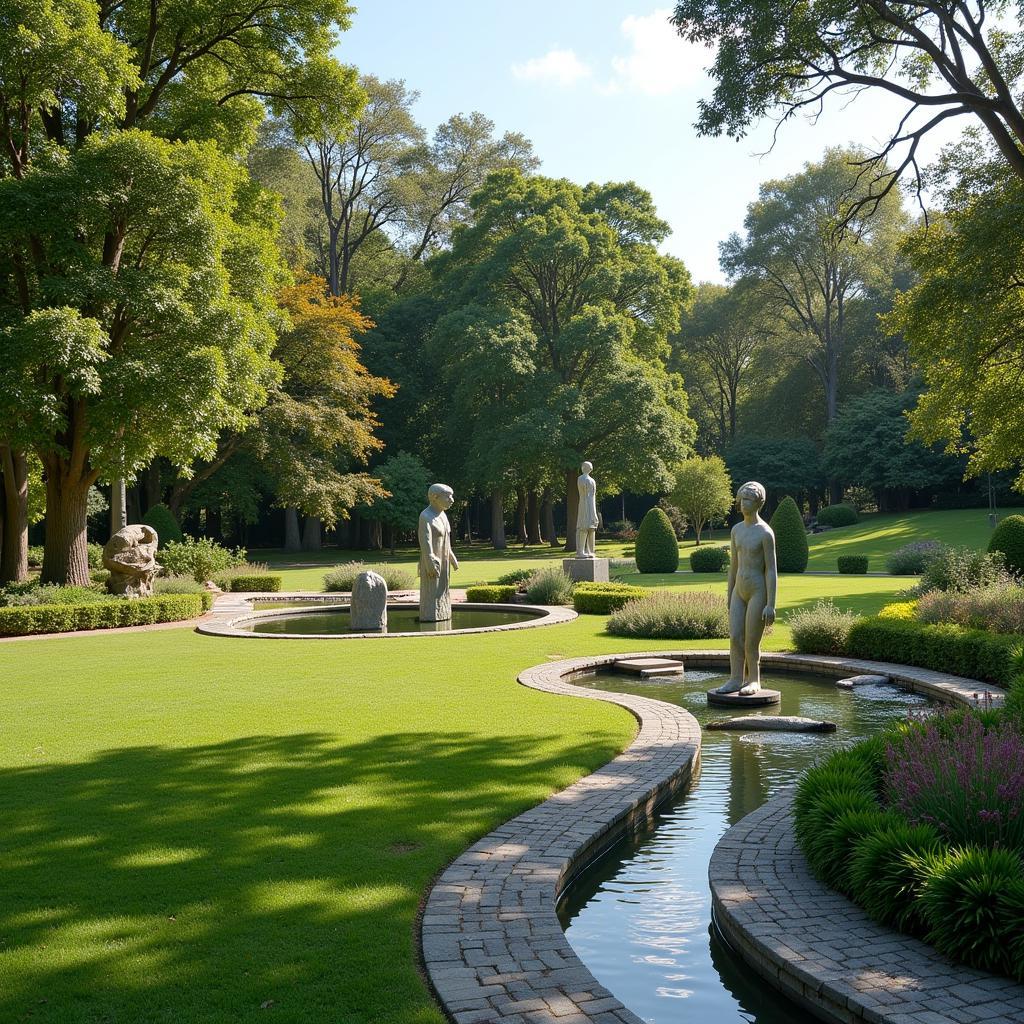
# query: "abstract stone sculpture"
130, 556
586, 513
369, 611
436, 556
753, 582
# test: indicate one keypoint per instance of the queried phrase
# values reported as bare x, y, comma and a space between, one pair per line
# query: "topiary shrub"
492, 594
837, 515
663, 615
821, 629
1008, 537
549, 586
852, 565
604, 598
790, 537
657, 549
709, 558
161, 518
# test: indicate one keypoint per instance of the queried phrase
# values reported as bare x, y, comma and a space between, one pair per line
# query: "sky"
606, 91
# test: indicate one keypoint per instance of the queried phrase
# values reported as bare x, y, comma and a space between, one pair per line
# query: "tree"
964, 319
867, 446
574, 276
406, 480
703, 490
944, 60
816, 257
782, 465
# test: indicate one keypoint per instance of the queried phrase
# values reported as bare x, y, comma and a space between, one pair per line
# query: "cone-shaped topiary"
790, 537
161, 518
1008, 538
657, 549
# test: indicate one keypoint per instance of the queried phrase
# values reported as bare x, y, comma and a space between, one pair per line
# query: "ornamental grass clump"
965, 781
911, 559
821, 629
662, 615
999, 608
963, 569
341, 578
549, 586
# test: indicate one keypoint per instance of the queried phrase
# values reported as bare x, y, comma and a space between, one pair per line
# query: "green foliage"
342, 577
200, 558
604, 598
821, 629
549, 586
976, 654
94, 553
998, 608
783, 465
702, 491
852, 565
490, 594
837, 515
1008, 539
177, 585
962, 569
911, 559
62, 618
515, 578
248, 582
31, 592
657, 549
814, 827
791, 551
406, 479
35, 555
662, 615
161, 518
709, 559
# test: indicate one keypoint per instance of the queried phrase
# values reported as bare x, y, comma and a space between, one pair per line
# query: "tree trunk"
118, 506
14, 515
572, 504
376, 535
533, 518
292, 540
498, 519
548, 519
65, 551
521, 515
392, 537
311, 534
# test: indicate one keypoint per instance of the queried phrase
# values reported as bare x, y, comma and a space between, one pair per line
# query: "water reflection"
640, 917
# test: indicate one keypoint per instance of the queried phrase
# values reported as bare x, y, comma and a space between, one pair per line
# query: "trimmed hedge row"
63, 618
495, 593
852, 565
248, 583
975, 653
604, 598
709, 558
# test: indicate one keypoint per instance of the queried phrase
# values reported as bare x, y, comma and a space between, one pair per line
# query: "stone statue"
369, 610
753, 582
586, 513
130, 555
436, 556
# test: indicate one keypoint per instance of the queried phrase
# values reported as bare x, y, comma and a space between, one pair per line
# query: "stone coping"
819, 948
229, 614
492, 945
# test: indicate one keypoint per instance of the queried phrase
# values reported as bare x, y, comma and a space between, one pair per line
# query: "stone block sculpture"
752, 587
437, 560
369, 611
130, 556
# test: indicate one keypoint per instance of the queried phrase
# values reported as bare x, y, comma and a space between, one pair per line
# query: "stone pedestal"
589, 570
369, 611
735, 700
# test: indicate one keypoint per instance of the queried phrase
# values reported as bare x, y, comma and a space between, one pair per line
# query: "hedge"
791, 552
657, 549
709, 558
837, 515
974, 653
63, 618
852, 565
604, 598
495, 593
249, 583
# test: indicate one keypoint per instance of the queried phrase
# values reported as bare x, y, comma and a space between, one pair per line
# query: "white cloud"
659, 62
561, 67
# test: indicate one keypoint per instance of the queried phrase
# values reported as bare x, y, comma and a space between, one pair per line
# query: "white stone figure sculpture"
130, 556
369, 611
586, 513
436, 556
753, 583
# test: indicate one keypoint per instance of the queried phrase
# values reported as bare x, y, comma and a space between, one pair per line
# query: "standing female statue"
586, 512
436, 555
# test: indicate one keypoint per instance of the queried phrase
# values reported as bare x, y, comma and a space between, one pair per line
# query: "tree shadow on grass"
201, 884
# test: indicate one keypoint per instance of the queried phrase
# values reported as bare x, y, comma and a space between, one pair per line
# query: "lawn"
194, 828
875, 536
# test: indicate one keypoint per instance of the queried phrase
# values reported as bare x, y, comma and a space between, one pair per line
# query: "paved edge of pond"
823, 951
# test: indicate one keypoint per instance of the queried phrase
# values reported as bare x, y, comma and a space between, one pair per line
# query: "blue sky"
605, 91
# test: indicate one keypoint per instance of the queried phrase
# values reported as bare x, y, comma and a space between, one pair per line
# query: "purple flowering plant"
963, 779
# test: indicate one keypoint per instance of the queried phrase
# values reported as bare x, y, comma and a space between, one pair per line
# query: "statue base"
645, 668
734, 700
586, 570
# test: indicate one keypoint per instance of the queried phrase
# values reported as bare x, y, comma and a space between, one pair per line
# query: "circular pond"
640, 916
314, 619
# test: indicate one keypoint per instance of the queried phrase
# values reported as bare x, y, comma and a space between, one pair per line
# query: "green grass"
192, 827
